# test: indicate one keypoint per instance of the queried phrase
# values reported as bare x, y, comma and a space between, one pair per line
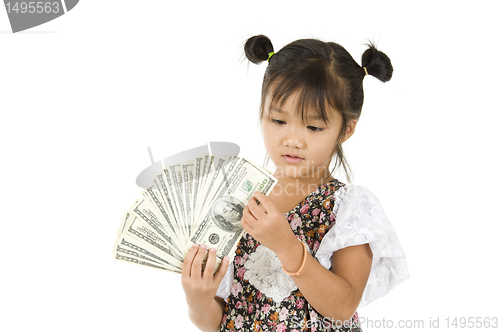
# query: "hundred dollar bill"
197, 177
205, 165
131, 249
213, 181
220, 226
223, 178
152, 241
154, 198
149, 216
168, 193
127, 247
174, 174
187, 176
207, 168
132, 259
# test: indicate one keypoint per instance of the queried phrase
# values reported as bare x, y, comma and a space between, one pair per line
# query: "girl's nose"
293, 138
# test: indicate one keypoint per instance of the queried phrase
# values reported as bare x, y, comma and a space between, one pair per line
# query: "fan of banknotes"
190, 198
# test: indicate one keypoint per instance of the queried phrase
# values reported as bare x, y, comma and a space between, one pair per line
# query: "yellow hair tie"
366, 71
270, 55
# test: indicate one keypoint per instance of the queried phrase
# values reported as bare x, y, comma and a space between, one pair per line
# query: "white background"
83, 96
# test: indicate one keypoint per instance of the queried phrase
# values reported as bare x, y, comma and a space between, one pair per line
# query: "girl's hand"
200, 287
267, 224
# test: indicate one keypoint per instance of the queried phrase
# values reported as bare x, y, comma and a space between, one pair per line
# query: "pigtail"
258, 48
377, 63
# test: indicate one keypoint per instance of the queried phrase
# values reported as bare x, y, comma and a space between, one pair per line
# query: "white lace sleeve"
360, 219
226, 283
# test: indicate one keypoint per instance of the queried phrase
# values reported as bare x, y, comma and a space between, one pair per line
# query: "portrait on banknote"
227, 212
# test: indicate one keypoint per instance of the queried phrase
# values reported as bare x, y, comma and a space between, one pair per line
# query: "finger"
222, 270
188, 261
255, 210
259, 204
197, 263
246, 226
209, 268
266, 202
248, 218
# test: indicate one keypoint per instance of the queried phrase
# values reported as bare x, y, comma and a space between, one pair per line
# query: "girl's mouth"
292, 158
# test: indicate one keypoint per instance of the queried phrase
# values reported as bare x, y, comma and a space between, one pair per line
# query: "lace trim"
360, 219
226, 283
263, 270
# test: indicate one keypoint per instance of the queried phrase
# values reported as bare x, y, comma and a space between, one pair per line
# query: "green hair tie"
270, 55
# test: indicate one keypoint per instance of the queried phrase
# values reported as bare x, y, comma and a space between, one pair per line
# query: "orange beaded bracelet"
303, 262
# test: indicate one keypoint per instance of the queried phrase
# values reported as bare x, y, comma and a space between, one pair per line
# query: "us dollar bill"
154, 197
187, 175
132, 259
220, 227
129, 248
152, 241
144, 211
197, 182
193, 201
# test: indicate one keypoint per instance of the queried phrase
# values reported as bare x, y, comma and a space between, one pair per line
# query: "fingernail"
195, 246
226, 258
203, 246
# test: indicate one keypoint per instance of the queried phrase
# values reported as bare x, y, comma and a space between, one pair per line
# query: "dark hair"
323, 73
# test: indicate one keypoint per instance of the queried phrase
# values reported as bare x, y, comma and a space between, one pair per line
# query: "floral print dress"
262, 297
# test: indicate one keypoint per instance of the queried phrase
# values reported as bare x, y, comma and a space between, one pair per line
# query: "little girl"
315, 249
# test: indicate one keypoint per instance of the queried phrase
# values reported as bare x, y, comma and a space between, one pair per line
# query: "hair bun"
377, 63
257, 48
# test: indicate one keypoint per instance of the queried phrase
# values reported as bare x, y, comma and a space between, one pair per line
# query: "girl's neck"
288, 192
303, 182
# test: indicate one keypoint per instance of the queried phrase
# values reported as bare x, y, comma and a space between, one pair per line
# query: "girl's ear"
349, 130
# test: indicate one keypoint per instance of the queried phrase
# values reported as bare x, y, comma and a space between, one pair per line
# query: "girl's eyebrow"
276, 109
279, 110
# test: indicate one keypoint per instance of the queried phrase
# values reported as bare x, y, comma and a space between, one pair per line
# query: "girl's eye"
278, 122
312, 128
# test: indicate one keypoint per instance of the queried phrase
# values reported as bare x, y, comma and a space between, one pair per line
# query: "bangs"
317, 89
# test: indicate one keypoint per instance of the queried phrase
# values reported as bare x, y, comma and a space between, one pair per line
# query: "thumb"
219, 275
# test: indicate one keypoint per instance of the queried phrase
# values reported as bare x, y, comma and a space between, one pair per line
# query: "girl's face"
301, 149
